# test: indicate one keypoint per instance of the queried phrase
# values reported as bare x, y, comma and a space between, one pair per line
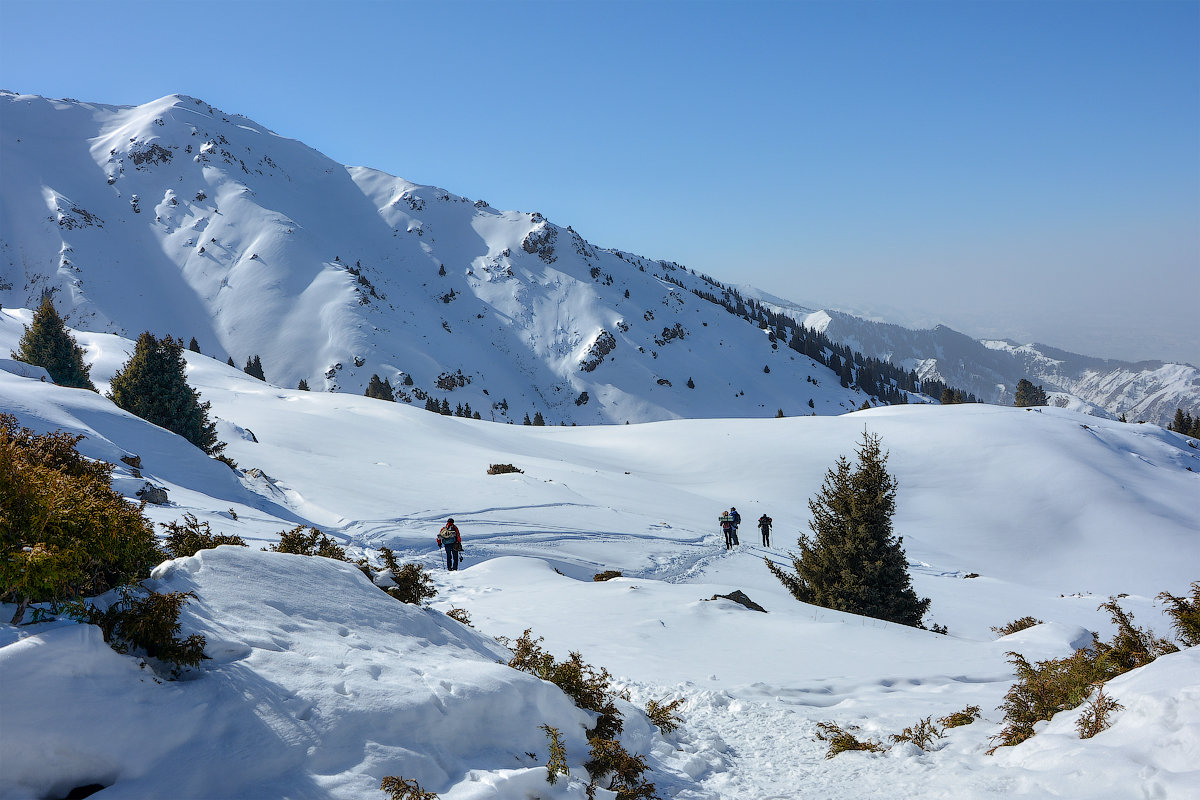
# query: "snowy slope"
177, 218
320, 685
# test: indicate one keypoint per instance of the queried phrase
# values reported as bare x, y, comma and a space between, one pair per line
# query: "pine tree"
193, 345
527, 420
230, 362
691, 384
254, 368
152, 385
380, 389
47, 344
444, 408
538, 419
302, 385
1029, 395
854, 562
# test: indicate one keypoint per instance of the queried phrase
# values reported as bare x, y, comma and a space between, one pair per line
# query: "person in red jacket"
449, 538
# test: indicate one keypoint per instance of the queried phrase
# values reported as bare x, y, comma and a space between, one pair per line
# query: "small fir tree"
152, 385
254, 368
229, 361
854, 562
302, 385
47, 344
380, 389
1029, 395
193, 345
538, 419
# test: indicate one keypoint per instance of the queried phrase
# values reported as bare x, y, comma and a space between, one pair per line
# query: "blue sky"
1021, 169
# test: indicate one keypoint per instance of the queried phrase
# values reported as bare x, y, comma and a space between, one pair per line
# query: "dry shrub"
1185, 615
402, 789
191, 536
607, 575
64, 533
303, 541
664, 715
1047, 687
1016, 625
413, 585
557, 764
923, 734
149, 624
503, 469
461, 615
960, 718
1094, 718
842, 739
624, 771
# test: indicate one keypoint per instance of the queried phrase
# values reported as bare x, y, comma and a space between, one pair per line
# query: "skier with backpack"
726, 520
449, 538
764, 525
737, 520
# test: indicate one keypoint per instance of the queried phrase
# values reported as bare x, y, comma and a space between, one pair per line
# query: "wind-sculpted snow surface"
319, 684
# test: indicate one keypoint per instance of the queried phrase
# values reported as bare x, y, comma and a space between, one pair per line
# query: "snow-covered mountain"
1147, 391
177, 218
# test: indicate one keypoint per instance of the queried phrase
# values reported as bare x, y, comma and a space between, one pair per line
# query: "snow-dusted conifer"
47, 344
380, 389
854, 562
254, 368
152, 385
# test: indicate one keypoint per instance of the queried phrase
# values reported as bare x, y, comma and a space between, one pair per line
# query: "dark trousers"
451, 557
730, 539
766, 532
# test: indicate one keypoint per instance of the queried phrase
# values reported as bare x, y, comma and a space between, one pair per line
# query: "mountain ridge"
178, 218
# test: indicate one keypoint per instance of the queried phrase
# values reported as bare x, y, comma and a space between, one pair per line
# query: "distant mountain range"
177, 218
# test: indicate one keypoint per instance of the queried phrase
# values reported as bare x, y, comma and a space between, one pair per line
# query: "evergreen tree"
854, 562
538, 419
691, 384
1029, 395
47, 344
444, 408
380, 389
152, 385
527, 420
302, 385
254, 368
193, 345
229, 361
1184, 423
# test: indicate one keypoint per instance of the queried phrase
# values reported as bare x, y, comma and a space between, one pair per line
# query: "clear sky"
1019, 169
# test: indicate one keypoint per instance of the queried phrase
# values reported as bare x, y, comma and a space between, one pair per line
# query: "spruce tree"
538, 419
230, 362
380, 389
854, 562
254, 368
1029, 395
302, 385
193, 345
152, 385
47, 344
